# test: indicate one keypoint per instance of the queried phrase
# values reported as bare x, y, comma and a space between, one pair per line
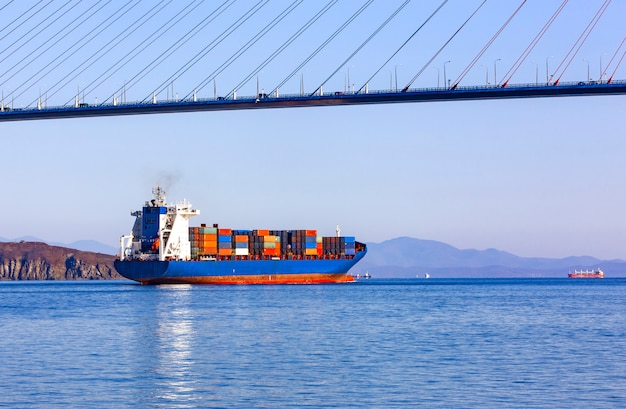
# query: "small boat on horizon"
597, 273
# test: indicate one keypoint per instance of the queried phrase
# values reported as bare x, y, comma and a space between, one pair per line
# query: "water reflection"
174, 336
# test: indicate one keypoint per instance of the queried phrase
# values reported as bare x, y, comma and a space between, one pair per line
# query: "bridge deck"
331, 99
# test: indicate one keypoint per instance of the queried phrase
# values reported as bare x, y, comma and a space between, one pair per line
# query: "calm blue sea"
471, 343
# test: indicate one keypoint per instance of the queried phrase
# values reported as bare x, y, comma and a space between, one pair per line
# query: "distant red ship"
586, 274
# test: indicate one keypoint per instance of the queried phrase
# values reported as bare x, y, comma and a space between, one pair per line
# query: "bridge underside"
334, 99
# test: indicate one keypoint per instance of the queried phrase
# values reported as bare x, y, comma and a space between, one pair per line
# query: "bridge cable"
531, 46
171, 49
602, 74
249, 44
328, 40
209, 47
221, 68
324, 44
8, 2
616, 67
406, 88
142, 46
581, 39
383, 25
280, 49
336, 33
480, 54
136, 25
363, 44
35, 34
288, 42
108, 47
22, 15
407, 41
51, 38
68, 49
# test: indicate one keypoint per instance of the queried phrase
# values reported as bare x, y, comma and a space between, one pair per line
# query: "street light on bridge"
495, 76
536, 72
444, 73
396, 75
547, 71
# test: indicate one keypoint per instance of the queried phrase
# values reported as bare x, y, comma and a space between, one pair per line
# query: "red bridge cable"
475, 60
581, 40
603, 73
616, 67
406, 88
407, 41
522, 58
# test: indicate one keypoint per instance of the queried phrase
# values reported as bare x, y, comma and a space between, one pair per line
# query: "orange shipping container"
311, 232
241, 239
225, 252
262, 232
224, 232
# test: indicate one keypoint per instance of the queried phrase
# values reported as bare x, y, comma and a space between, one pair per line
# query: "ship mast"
159, 195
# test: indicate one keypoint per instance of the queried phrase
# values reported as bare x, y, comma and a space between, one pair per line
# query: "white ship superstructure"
160, 231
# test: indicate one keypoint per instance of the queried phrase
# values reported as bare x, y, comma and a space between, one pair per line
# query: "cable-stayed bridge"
73, 58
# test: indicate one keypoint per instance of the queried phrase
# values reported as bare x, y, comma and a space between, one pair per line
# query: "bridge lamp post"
445, 78
495, 76
587, 61
486, 74
547, 71
302, 82
396, 76
350, 85
601, 79
437, 78
536, 72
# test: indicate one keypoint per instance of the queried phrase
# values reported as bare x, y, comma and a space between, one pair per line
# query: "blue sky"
535, 177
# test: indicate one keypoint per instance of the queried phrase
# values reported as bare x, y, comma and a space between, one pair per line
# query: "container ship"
163, 249
586, 274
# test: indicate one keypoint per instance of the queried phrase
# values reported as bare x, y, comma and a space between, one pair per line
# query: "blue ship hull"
281, 271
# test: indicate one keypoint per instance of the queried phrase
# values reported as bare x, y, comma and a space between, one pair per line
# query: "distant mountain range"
406, 257
410, 257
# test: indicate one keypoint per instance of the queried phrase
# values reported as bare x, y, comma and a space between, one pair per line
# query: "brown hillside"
39, 261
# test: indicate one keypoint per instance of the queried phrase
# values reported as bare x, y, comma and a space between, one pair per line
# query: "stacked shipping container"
214, 241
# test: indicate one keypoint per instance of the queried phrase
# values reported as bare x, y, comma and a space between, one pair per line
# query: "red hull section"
257, 279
